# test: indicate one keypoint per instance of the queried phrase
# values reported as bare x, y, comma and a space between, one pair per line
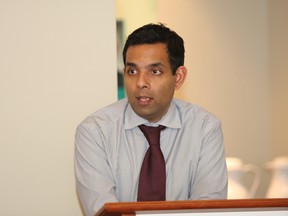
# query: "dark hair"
158, 33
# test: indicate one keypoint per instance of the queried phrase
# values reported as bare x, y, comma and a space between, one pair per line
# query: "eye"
156, 72
131, 71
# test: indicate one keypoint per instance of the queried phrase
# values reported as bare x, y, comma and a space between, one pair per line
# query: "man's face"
149, 82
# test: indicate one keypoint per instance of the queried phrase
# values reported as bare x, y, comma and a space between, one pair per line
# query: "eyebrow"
156, 64
130, 64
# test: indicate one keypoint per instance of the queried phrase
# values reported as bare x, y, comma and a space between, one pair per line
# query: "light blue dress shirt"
109, 150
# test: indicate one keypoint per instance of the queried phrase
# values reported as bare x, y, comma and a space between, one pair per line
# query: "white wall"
57, 65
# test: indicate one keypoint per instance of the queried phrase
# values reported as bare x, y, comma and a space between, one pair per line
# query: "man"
110, 146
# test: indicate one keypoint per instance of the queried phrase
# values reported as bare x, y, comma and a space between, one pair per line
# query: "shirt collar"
171, 119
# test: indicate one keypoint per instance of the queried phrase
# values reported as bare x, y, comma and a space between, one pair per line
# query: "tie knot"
152, 134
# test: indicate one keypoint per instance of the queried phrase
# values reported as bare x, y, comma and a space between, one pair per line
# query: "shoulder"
105, 117
190, 112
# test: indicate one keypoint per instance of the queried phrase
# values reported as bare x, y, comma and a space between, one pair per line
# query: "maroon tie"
152, 180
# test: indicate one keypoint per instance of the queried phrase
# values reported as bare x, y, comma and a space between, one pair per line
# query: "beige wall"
236, 54
135, 13
57, 65
226, 44
278, 68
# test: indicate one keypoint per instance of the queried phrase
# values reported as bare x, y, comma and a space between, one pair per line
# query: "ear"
180, 74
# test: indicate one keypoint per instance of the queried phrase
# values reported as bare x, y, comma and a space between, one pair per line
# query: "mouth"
144, 100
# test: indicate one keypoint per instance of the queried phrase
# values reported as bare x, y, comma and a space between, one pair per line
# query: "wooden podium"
257, 207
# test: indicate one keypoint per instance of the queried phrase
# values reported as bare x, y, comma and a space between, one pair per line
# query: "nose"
143, 80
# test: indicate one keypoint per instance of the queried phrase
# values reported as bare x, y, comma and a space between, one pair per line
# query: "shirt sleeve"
211, 177
94, 179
